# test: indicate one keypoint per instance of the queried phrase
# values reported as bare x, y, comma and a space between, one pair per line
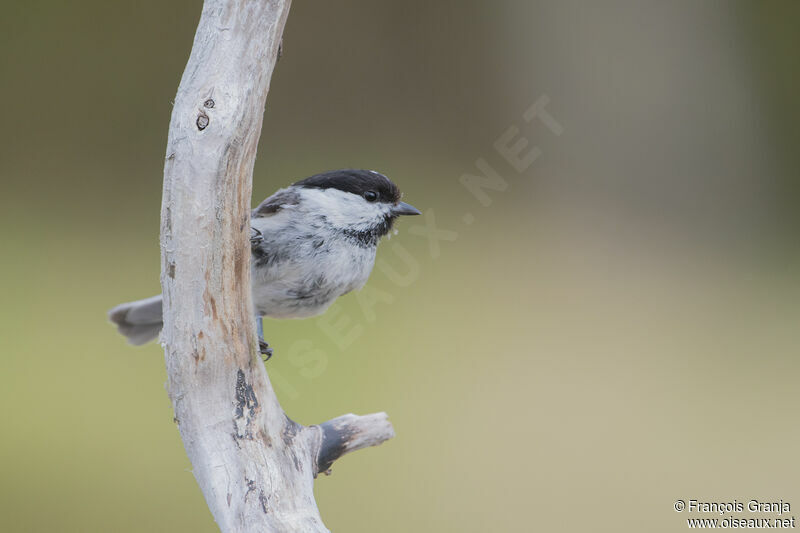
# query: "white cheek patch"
344, 209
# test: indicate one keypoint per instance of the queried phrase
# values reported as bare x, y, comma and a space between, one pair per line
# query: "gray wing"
276, 202
265, 229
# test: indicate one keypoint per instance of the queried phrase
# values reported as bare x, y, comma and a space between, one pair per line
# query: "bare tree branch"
348, 433
254, 465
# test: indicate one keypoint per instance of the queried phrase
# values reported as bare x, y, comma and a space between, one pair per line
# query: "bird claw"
264, 349
256, 237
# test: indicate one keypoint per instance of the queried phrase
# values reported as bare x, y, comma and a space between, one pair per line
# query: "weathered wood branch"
254, 465
348, 433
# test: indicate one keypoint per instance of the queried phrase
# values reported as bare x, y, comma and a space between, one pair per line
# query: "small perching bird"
310, 243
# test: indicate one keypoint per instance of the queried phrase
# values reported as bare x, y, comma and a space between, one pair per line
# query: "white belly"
300, 289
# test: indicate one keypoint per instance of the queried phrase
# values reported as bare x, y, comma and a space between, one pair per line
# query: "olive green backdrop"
615, 329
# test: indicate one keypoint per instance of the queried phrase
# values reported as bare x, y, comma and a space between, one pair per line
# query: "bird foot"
266, 351
256, 237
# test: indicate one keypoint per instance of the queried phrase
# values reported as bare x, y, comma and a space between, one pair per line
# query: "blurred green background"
617, 329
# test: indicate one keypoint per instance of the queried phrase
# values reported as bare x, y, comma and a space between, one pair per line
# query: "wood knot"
209, 103
202, 121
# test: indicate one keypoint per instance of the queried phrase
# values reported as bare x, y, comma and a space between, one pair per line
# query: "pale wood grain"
254, 466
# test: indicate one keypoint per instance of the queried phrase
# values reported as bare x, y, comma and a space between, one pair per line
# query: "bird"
310, 242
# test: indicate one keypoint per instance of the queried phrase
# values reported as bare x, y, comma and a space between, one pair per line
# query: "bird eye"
370, 196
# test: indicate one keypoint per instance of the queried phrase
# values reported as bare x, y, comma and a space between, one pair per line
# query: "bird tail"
139, 321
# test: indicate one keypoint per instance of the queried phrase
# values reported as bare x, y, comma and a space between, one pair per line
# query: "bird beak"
402, 208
